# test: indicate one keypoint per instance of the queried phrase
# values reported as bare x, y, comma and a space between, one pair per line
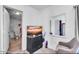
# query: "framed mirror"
58, 25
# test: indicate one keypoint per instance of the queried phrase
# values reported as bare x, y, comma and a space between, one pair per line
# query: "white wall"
70, 23
36, 20
6, 22
1, 28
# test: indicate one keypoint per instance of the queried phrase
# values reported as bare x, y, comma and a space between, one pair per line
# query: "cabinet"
34, 43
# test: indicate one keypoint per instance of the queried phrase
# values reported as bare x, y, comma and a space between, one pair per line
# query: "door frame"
4, 6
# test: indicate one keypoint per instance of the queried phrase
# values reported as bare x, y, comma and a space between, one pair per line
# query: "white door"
6, 22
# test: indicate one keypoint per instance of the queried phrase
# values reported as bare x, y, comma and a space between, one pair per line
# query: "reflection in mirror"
57, 25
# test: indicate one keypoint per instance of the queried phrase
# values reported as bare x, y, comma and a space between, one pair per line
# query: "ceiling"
13, 14
40, 7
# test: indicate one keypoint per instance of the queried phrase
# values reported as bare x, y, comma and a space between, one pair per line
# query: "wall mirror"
58, 25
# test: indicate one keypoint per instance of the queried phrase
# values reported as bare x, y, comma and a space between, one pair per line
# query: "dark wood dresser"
34, 43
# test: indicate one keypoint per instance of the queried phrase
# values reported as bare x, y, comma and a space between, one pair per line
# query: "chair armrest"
64, 44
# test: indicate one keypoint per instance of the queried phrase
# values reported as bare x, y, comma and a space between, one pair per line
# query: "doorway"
12, 28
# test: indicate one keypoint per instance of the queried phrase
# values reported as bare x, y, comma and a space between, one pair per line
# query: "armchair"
67, 47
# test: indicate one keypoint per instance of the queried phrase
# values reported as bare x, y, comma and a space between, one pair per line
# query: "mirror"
34, 30
57, 25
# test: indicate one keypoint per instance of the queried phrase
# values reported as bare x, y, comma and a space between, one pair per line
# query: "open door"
6, 21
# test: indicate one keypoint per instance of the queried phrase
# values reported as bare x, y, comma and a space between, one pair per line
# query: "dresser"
34, 43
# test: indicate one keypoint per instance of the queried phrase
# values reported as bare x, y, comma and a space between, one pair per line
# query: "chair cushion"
62, 47
63, 50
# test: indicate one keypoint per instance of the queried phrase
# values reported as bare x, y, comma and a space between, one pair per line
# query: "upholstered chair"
67, 47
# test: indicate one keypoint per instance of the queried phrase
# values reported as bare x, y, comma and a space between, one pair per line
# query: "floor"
14, 45
45, 51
